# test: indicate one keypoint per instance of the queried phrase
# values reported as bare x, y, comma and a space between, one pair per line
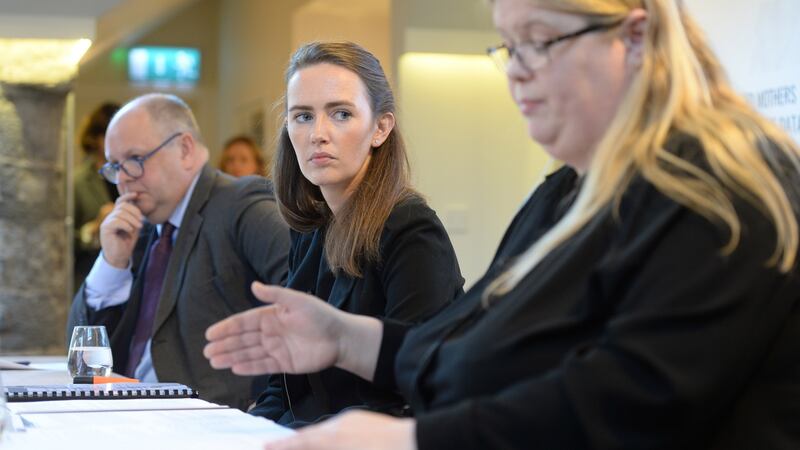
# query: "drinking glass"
89, 352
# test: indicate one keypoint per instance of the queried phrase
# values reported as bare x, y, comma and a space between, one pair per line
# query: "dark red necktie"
154, 274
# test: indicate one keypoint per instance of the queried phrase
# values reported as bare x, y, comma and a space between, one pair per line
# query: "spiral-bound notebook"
98, 391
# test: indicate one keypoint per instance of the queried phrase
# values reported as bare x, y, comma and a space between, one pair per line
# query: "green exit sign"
164, 65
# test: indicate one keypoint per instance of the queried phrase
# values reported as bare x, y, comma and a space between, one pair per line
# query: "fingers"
246, 354
125, 217
128, 197
234, 349
242, 357
119, 231
124, 223
242, 322
257, 367
128, 211
231, 344
268, 293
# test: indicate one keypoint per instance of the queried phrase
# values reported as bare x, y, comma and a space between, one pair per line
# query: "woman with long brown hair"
362, 239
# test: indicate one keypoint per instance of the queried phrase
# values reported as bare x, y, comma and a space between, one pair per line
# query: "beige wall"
258, 37
470, 153
255, 43
105, 77
365, 22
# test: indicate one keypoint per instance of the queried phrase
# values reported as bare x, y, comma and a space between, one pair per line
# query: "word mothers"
774, 97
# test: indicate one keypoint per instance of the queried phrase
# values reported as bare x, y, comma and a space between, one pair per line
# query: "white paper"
134, 430
54, 366
133, 404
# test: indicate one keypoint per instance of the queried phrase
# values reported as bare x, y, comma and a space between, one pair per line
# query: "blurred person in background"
241, 156
94, 195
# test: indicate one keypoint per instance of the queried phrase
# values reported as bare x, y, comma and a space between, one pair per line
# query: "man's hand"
297, 333
120, 231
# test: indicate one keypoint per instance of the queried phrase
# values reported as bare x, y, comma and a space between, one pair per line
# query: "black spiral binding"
68, 392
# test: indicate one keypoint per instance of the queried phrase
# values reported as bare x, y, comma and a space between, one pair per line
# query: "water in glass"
89, 352
89, 361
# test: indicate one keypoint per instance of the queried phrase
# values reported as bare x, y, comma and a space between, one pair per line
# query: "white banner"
758, 42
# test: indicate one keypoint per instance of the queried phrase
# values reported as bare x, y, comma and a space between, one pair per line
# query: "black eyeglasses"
534, 55
133, 166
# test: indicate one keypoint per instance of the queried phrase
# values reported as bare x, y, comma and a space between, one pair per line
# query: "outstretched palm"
297, 333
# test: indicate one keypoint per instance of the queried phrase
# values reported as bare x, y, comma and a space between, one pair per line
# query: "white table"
54, 371
165, 427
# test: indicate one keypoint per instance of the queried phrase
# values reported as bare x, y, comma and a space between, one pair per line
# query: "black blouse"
418, 275
638, 332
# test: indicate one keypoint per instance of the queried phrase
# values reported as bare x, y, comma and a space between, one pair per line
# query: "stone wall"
33, 235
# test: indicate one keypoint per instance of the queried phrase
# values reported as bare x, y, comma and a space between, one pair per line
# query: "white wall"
365, 22
470, 154
759, 44
255, 43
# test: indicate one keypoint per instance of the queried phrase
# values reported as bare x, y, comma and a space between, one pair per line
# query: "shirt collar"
177, 216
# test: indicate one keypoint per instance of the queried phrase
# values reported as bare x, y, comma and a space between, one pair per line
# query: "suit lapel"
187, 237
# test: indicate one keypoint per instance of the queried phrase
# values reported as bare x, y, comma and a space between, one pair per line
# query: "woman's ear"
385, 126
634, 33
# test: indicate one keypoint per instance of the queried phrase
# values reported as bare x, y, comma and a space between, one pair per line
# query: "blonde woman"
645, 297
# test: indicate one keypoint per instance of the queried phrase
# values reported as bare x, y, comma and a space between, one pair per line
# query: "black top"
417, 275
635, 333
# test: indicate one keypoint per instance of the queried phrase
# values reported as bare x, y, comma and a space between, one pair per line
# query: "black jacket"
418, 275
636, 333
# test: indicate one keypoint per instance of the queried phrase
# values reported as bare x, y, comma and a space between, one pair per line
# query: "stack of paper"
136, 424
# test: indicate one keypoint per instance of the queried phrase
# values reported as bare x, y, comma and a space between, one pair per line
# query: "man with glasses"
179, 251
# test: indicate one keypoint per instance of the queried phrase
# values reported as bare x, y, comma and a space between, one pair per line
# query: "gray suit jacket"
231, 235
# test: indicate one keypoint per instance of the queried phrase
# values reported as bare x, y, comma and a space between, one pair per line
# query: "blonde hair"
680, 87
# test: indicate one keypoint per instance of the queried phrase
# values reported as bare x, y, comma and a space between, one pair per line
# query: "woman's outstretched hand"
295, 333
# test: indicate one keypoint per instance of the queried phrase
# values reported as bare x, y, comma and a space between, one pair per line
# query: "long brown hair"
353, 235
680, 87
